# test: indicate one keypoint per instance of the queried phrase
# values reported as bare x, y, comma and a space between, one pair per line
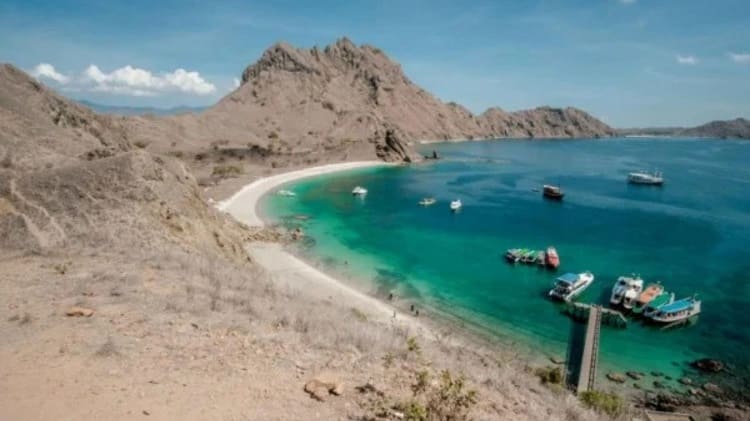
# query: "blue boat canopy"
678, 305
568, 278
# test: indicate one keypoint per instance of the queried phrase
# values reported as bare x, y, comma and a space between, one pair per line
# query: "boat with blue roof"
677, 311
570, 285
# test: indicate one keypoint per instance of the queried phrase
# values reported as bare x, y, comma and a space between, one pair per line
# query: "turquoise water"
692, 234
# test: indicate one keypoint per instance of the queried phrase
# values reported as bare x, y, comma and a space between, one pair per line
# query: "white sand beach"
291, 272
242, 205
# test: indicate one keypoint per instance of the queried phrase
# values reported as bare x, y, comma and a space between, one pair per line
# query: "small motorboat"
552, 192
427, 201
551, 259
626, 290
456, 205
514, 255
677, 311
359, 191
660, 301
287, 193
571, 285
529, 257
642, 177
645, 297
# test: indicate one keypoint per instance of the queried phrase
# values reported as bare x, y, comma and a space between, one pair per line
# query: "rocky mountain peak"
342, 56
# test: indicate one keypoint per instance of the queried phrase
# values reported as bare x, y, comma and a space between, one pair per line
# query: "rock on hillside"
346, 102
737, 128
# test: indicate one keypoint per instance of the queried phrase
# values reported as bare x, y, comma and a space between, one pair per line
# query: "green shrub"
549, 375
224, 171
413, 411
412, 345
603, 402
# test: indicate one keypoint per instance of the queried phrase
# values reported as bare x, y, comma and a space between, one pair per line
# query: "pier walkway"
589, 357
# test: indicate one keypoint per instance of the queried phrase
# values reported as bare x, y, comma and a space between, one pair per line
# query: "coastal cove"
686, 234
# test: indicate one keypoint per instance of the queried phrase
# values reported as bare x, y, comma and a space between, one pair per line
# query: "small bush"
359, 314
413, 411
225, 171
140, 144
412, 345
603, 402
273, 135
388, 360
549, 375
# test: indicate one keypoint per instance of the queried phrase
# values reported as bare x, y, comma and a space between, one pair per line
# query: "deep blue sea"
692, 234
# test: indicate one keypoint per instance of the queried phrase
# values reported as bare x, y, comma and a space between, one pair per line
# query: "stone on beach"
77, 311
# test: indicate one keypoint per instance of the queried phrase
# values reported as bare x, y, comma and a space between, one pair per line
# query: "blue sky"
629, 62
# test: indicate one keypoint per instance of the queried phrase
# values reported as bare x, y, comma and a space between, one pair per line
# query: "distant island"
738, 128
128, 110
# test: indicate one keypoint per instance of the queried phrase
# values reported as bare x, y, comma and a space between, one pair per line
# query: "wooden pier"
590, 356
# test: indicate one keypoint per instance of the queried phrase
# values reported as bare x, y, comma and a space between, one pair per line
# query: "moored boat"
626, 290
286, 193
661, 300
551, 259
642, 177
456, 205
552, 192
427, 201
513, 255
359, 191
645, 297
677, 311
570, 285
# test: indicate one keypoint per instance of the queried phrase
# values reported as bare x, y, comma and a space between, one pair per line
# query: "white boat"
570, 285
359, 191
427, 201
286, 193
677, 311
643, 177
456, 205
626, 290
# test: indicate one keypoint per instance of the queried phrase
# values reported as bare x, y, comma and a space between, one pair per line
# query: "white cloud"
740, 57
628, 1
236, 83
46, 70
690, 60
133, 81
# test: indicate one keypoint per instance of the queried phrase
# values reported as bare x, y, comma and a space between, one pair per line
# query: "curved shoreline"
243, 204
293, 272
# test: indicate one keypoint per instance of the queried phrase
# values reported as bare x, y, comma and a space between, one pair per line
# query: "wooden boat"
648, 294
661, 300
552, 192
677, 311
427, 201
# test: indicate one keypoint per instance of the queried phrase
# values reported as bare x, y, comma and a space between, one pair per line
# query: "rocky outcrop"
737, 128
543, 122
708, 365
